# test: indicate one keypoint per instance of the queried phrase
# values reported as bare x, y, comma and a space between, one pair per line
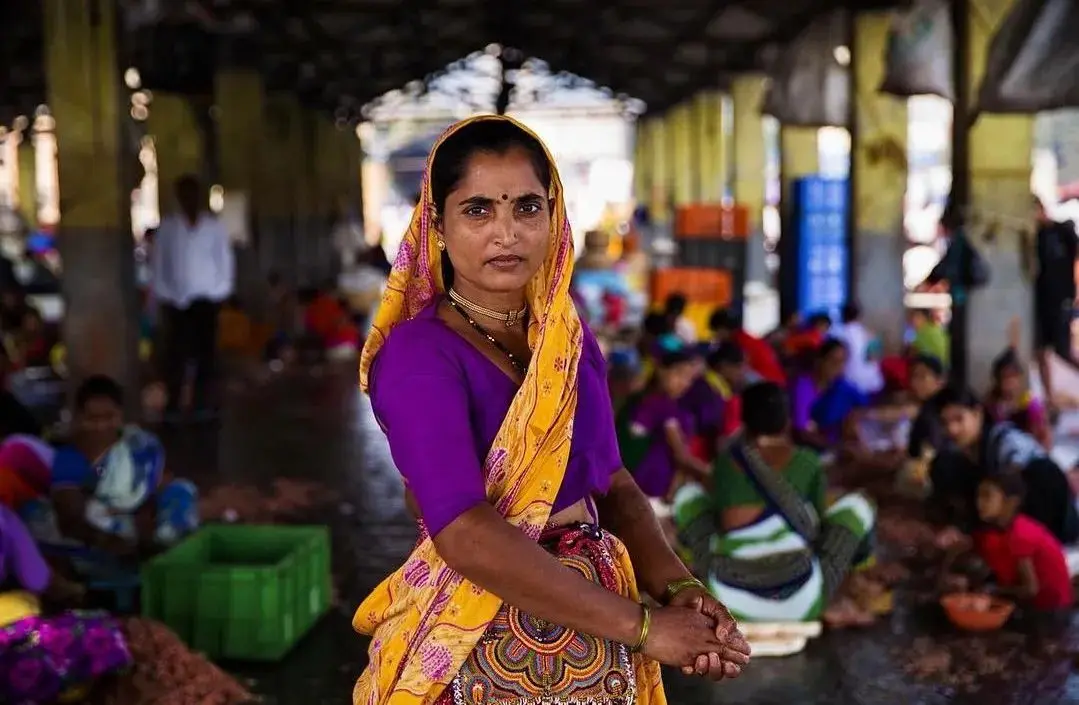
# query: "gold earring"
441, 244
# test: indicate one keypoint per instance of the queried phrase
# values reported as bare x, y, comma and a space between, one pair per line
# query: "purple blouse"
441, 402
20, 559
804, 394
655, 472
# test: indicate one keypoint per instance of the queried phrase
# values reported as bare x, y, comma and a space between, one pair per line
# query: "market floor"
317, 428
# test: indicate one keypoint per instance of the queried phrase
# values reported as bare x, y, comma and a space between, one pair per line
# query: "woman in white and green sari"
763, 537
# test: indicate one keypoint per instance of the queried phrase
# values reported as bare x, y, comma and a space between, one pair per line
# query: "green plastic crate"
241, 592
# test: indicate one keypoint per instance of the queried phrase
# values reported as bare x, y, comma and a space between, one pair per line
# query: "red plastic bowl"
976, 612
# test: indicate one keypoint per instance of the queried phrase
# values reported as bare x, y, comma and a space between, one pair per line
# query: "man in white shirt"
193, 271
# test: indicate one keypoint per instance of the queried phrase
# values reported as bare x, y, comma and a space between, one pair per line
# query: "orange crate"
698, 285
711, 220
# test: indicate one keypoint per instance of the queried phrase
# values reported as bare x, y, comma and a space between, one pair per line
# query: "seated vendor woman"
983, 449
764, 538
1010, 399
654, 431
106, 489
823, 402
54, 657
705, 407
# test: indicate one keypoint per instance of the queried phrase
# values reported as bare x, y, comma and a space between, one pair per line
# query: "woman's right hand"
678, 635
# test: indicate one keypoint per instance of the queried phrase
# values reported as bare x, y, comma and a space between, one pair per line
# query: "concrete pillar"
1000, 164
178, 143
708, 118
239, 98
880, 185
748, 162
800, 156
276, 208
684, 171
239, 102
642, 163
659, 142
86, 99
26, 166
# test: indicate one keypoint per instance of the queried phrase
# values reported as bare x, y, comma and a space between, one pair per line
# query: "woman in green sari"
764, 538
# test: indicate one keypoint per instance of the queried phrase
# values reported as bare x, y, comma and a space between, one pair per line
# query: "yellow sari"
425, 619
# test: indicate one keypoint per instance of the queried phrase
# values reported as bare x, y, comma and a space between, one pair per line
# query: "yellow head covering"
426, 619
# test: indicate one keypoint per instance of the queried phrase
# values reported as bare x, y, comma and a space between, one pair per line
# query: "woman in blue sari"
108, 489
823, 401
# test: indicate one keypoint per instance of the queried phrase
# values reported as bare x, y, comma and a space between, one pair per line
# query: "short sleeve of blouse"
652, 414
1024, 537
595, 412
731, 486
420, 397
70, 468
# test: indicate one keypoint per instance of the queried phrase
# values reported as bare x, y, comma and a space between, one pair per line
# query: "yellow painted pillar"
683, 166
799, 152
240, 101
662, 162
27, 173
642, 163
747, 166
96, 244
1000, 164
279, 131
178, 143
881, 183
712, 160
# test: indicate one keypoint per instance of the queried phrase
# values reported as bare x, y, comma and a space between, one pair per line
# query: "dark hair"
99, 387
655, 324
922, 312
1009, 359
765, 410
851, 312
490, 136
722, 320
957, 396
670, 358
187, 183
675, 304
273, 278
726, 354
828, 347
819, 318
1009, 482
929, 362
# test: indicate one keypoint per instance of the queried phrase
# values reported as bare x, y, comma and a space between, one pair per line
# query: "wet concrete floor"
320, 429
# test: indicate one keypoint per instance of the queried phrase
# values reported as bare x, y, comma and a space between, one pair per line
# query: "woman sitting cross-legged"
104, 490
764, 538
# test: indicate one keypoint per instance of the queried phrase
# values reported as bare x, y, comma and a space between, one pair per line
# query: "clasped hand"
697, 633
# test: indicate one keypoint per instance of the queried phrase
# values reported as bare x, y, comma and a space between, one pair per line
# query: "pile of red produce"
166, 672
287, 499
964, 662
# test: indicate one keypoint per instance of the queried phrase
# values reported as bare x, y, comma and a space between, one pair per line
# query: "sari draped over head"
425, 619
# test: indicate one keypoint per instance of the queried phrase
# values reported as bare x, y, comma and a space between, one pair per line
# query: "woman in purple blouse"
655, 430
493, 397
46, 657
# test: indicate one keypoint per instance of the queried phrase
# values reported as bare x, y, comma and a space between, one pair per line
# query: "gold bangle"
677, 586
646, 624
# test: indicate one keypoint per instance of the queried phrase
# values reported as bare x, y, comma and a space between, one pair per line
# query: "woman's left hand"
735, 655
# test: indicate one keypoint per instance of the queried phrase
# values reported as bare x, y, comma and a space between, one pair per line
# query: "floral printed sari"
426, 619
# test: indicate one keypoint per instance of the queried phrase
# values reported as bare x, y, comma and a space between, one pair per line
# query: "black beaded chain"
513, 360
